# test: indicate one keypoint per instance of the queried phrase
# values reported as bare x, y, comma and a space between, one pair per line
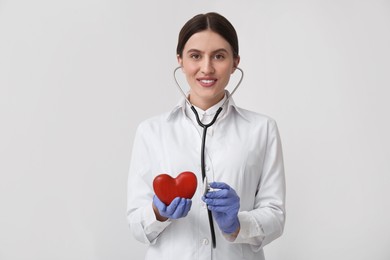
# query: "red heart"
168, 188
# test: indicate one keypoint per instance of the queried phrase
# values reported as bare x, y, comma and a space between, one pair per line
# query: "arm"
265, 222
144, 223
146, 214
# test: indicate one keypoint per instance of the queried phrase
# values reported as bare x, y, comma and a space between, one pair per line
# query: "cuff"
250, 232
152, 226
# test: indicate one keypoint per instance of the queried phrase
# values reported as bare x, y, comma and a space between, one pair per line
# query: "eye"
195, 56
219, 57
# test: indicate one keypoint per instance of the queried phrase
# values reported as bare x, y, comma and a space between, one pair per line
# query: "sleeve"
140, 215
265, 222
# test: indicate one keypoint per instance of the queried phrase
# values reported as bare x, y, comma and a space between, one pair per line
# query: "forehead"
207, 41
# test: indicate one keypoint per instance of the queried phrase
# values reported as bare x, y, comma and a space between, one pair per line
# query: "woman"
243, 158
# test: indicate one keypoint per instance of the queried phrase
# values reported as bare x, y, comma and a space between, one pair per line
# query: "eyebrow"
218, 50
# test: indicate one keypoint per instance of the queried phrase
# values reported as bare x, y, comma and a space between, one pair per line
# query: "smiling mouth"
207, 82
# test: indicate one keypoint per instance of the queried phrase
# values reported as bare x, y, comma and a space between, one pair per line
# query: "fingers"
179, 211
224, 191
220, 202
224, 196
219, 185
188, 207
182, 208
220, 209
219, 194
223, 199
173, 206
178, 208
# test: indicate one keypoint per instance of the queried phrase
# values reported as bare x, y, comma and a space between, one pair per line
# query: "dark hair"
213, 21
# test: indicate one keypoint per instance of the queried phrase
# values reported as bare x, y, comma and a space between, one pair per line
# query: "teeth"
207, 81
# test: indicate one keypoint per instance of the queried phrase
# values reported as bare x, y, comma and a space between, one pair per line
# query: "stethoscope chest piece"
206, 186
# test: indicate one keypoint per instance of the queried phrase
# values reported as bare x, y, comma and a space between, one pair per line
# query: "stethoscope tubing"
203, 164
203, 147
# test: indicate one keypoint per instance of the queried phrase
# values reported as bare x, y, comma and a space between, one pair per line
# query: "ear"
235, 63
179, 61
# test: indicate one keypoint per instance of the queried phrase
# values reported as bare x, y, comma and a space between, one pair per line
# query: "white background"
77, 77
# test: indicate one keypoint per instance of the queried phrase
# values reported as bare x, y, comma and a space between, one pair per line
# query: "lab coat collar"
209, 113
181, 106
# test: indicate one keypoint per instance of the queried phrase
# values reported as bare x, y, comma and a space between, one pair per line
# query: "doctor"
243, 158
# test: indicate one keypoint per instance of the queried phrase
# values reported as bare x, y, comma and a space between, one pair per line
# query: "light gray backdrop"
76, 78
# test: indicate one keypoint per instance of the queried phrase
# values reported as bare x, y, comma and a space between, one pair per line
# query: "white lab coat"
243, 149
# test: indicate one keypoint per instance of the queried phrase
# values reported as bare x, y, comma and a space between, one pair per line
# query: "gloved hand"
178, 208
224, 204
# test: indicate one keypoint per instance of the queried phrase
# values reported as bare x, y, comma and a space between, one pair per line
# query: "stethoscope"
205, 127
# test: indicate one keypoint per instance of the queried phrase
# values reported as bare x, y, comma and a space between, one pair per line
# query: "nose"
207, 66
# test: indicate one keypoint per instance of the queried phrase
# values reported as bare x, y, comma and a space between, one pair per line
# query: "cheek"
228, 70
189, 69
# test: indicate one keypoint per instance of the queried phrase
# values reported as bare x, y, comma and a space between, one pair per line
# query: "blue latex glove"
224, 204
178, 208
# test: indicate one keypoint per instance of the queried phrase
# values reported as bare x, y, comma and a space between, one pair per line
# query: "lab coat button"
205, 241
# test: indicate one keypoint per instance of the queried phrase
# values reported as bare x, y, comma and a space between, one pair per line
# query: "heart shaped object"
167, 188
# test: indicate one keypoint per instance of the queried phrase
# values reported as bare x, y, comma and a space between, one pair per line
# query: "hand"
224, 204
178, 208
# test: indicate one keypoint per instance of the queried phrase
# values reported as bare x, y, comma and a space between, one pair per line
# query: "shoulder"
255, 118
260, 125
154, 122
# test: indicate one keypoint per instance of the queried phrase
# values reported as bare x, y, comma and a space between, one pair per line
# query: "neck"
205, 104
